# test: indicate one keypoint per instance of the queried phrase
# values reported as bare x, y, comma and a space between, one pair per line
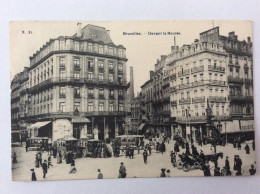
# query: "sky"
142, 50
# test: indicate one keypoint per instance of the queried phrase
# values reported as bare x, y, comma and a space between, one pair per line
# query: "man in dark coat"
252, 170
44, 168
173, 159
122, 171
145, 156
131, 152
239, 165
163, 149
206, 169
227, 166
33, 175
247, 149
253, 145
176, 148
239, 145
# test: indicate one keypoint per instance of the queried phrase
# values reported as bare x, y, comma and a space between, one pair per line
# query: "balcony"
173, 103
198, 99
172, 89
217, 99
173, 76
184, 86
121, 97
248, 81
217, 82
197, 69
235, 80
236, 98
184, 72
192, 119
101, 96
61, 96
101, 69
249, 98
216, 68
197, 83
105, 113
91, 96
91, 69
111, 70
185, 101
77, 96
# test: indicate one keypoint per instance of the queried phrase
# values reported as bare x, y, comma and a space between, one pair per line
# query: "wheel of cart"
197, 165
179, 164
186, 166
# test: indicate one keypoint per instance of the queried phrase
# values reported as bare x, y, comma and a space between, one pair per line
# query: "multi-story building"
77, 86
214, 71
204, 72
136, 114
15, 107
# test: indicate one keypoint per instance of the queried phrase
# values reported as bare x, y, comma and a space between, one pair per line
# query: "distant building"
76, 87
136, 114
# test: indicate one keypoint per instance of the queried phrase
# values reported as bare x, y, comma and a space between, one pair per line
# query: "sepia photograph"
131, 99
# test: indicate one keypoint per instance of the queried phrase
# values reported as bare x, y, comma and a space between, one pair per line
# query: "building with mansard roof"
77, 86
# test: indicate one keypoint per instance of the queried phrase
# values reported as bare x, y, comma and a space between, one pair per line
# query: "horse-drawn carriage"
86, 147
129, 140
190, 162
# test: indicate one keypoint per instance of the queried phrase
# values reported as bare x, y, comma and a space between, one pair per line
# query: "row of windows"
217, 90
93, 48
101, 106
90, 92
76, 62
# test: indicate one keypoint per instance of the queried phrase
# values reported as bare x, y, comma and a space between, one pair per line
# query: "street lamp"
226, 131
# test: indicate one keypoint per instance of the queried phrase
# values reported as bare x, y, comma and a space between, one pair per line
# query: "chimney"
108, 32
79, 29
248, 39
132, 93
231, 34
151, 74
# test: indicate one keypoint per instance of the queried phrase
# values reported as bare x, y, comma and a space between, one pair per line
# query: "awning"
39, 125
141, 126
231, 127
80, 120
247, 125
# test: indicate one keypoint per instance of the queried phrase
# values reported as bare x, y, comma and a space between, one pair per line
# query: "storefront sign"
247, 125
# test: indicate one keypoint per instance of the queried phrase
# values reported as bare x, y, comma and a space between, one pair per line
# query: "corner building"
77, 86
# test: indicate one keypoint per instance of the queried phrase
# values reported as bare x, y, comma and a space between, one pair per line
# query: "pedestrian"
239, 165
149, 148
49, 161
163, 172
33, 175
252, 170
40, 158
227, 167
145, 154
173, 159
206, 169
26, 145
131, 152
176, 148
122, 171
234, 143
217, 171
14, 158
100, 175
59, 158
127, 151
239, 145
187, 150
44, 168
253, 145
162, 148
72, 167
247, 149
168, 173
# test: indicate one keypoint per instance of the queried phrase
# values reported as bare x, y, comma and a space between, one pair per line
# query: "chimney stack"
108, 32
79, 29
248, 39
132, 93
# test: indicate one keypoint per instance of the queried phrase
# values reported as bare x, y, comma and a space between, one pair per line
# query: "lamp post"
226, 131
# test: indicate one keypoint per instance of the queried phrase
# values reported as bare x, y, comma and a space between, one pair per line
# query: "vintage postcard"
131, 99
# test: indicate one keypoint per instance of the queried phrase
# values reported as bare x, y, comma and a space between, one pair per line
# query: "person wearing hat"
145, 154
173, 159
44, 168
227, 167
252, 170
100, 175
163, 172
122, 171
168, 173
33, 175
